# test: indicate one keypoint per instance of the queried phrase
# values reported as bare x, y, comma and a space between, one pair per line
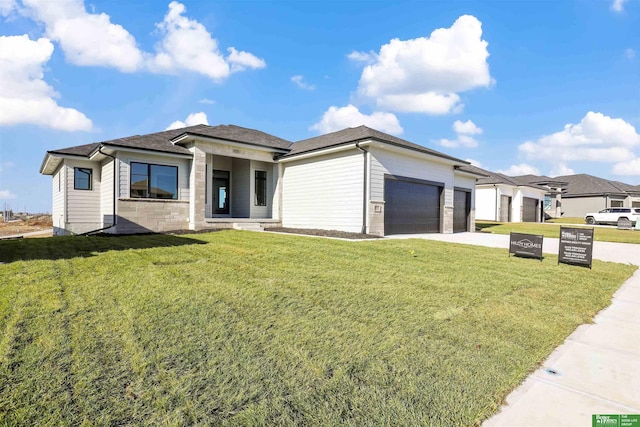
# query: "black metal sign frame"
576, 246
526, 245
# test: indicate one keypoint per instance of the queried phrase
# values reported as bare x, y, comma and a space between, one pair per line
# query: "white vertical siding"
400, 164
83, 206
124, 175
486, 203
106, 193
58, 199
324, 192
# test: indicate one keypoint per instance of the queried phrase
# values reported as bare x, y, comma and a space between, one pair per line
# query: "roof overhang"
52, 161
379, 143
98, 153
191, 137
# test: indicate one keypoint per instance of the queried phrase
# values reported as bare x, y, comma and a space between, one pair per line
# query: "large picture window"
261, 188
82, 178
150, 181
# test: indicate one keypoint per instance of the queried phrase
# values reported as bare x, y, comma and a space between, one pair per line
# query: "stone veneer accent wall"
146, 215
376, 218
447, 220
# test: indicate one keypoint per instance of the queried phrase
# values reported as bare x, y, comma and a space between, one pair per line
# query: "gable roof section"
236, 134
589, 185
356, 134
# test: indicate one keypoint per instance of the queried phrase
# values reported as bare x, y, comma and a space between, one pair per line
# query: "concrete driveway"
596, 370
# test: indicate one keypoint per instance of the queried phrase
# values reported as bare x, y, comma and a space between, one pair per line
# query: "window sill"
129, 199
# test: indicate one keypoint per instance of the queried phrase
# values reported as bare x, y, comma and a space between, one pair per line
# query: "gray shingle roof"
583, 184
161, 141
359, 133
240, 134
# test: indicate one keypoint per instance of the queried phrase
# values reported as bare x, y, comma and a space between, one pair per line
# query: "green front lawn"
241, 328
601, 234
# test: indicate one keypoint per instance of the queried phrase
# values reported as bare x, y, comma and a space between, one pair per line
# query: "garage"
529, 209
411, 206
461, 210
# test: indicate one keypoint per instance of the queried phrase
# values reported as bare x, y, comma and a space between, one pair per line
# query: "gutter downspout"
364, 189
114, 196
495, 187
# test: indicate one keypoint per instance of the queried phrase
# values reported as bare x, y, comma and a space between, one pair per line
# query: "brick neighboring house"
198, 177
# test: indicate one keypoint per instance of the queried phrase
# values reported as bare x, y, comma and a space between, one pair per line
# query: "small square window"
82, 178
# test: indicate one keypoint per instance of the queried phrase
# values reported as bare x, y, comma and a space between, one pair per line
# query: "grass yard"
567, 220
241, 328
601, 234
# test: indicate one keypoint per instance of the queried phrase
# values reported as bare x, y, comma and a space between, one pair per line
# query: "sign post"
527, 245
576, 246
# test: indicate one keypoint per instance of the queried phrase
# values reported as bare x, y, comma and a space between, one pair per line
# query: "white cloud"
617, 5
86, 38
191, 120
474, 163
464, 130
206, 101
629, 167
335, 119
299, 81
368, 57
629, 53
6, 194
427, 73
7, 6
521, 169
187, 45
25, 97
91, 39
467, 128
561, 169
597, 138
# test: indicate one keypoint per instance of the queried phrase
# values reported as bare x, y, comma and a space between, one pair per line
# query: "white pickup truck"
612, 215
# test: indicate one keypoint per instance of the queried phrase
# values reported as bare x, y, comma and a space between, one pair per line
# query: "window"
547, 202
261, 188
616, 203
154, 181
82, 178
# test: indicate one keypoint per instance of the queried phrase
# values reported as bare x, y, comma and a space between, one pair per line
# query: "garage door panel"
411, 207
529, 209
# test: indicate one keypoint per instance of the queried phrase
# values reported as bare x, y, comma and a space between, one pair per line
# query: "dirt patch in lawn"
322, 233
25, 225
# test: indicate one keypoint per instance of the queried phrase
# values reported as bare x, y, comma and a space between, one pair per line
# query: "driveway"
596, 370
625, 253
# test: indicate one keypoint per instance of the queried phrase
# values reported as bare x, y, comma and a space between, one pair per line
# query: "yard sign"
576, 246
527, 245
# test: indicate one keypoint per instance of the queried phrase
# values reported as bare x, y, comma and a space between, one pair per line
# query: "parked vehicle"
613, 215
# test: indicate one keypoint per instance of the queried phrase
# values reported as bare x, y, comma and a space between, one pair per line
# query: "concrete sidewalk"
596, 370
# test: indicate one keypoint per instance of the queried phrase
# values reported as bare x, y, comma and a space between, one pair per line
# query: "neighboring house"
502, 198
579, 194
198, 177
554, 188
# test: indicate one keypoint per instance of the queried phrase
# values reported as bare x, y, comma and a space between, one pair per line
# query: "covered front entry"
529, 209
461, 210
411, 206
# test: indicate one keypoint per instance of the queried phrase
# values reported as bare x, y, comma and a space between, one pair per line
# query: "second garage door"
411, 207
529, 209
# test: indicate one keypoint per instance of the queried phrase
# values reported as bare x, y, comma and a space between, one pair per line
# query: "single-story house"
576, 195
501, 198
355, 180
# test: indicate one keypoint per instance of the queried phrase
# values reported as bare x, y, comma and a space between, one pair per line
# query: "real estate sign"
527, 245
576, 246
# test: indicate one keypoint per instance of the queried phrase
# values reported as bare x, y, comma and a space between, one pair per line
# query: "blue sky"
549, 87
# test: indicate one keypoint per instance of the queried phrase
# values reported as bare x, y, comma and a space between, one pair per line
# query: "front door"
221, 192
